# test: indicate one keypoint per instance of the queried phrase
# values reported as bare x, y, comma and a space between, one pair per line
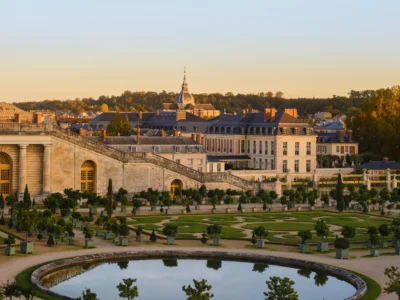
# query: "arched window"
5, 174
176, 184
88, 176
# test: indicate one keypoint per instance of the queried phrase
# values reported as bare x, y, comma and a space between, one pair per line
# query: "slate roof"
217, 158
381, 165
144, 140
332, 137
331, 126
258, 119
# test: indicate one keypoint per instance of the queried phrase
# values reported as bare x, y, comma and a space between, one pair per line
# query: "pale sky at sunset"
54, 49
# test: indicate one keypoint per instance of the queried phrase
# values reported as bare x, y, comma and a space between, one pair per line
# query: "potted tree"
136, 203
311, 199
138, 232
170, 231
261, 233
304, 235
349, 233
88, 232
395, 227
374, 242
123, 232
325, 200
342, 246
215, 230
384, 231
75, 219
204, 238
213, 202
397, 238
10, 241
26, 221
228, 200
284, 203
371, 231
322, 230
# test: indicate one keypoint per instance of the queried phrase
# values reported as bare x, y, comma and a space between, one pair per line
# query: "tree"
110, 196
228, 200
304, 235
339, 194
27, 220
260, 232
153, 236
27, 198
393, 286
2, 220
2, 203
104, 107
11, 290
280, 289
384, 230
348, 232
170, 230
320, 279
126, 290
87, 294
119, 125
322, 229
214, 230
200, 291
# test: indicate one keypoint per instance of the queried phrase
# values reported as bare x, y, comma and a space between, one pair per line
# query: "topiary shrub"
2, 221
170, 230
153, 236
204, 237
342, 243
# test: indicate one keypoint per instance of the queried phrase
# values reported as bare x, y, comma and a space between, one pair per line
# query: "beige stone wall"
34, 168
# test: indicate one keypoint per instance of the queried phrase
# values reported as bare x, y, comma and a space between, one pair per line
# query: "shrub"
204, 237
305, 235
260, 232
153, 236
170, 230
214, 230
139, 230
40, 236
342, 243
374, 239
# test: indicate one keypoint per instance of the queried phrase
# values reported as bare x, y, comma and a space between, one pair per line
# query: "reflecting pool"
164, 278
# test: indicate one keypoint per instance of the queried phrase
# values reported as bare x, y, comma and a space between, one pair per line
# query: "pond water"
164, 278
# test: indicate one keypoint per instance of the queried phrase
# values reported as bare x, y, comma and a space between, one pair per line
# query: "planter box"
299, 208
311, 208
170, 240
104, 213
183, 211
58, 211
71, 241
66, 219
383, 244
123, 209
10, 250
395, 242
153, 208
108, 235
26, 247
304, 248
147, 203
167, 211
65, 238
116, 239
197, 207
322, 247
123, 241
221, 202
57, 242
269, 209
342, 253
284, 208
215, 241
243, 210
374, 252
254, 209
93, 210
138, 238
325, 205
397, 250
213, 211
260, 243
227, 210
203, 201
89, 243
99, 233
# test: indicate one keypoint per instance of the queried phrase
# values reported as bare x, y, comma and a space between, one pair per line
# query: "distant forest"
146, 101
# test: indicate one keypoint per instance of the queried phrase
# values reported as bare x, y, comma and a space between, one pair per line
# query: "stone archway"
175, 184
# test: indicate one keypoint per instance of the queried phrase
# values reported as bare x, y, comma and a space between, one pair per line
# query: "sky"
67, 49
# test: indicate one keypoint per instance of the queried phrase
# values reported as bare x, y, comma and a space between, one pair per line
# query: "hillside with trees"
146, 101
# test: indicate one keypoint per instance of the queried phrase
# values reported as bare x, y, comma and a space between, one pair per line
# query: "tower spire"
184, 84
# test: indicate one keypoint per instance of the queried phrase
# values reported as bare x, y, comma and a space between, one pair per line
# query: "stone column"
22, 169
394, 182
388, 183
315, 180
46, 168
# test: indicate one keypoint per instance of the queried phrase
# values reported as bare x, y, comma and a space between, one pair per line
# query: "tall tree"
393, 286
27, 197
110, 196
339, 194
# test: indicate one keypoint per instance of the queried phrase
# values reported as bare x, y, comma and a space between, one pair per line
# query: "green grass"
373, 288
147, 220
282, 226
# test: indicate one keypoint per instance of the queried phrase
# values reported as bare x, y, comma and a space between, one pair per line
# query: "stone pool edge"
357, 282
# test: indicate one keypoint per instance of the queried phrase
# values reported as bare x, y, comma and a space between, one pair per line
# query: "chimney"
82, 131
138, 135
157, 113
103, 134
350, 135
269, 113
180, 115
291, 111
198, 138
140, 115
17, 118
193, 137
163, 133
176, 132
341, 136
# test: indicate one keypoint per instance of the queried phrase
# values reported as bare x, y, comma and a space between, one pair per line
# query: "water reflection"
260, 267
214, 264
170, 263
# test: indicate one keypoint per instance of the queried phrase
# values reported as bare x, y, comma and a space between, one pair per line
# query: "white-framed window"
200, 161
190, 161
177, 149
297, 148
337, 149
218, 167
266, 147
272, 148
284, 148
211, 167
308, 166
254, 147
308, 148
296, 166
272, 164
284, 166
260, 150
346, 148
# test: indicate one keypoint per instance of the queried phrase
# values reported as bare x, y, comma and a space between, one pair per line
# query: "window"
272, 164
224, 145
254, 147
308, 148
242, 146
272, 148
211, 168
296, 131
260, 161
296, 166
218, 167
200, 161
284, 166
254, 163
230, 146
219, 146
266, 147
178, 149
284, 130
284, 148
260, 150
308, 166
296, 148
5, 174
266, 164
337, 149
178, 161
248, 146
190, 161
346, 148
88, 171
